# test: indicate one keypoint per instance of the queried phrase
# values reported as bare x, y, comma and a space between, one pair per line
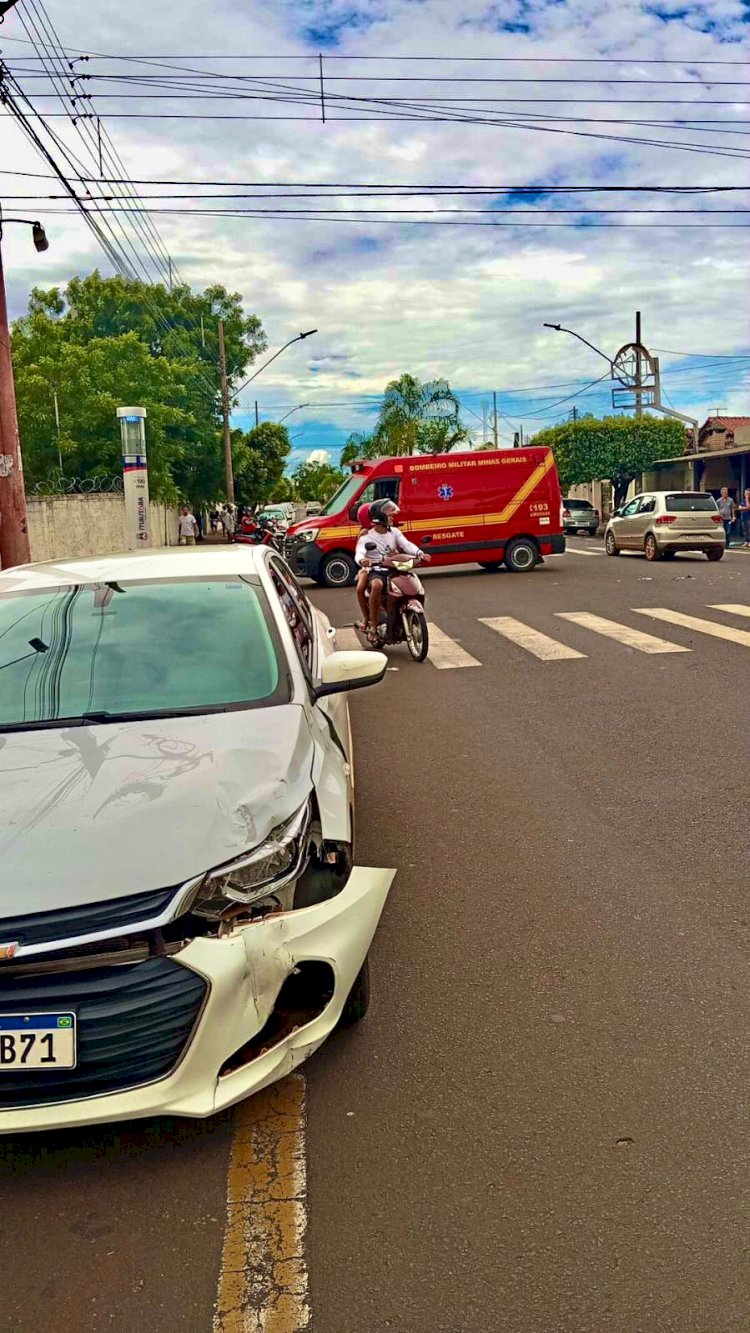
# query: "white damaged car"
181, 921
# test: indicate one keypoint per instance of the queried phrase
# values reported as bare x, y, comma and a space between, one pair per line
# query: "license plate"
37, 1041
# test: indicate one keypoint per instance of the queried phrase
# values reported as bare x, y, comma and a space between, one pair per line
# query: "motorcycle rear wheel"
416, 634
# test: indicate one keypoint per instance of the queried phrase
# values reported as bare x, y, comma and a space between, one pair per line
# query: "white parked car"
181, 922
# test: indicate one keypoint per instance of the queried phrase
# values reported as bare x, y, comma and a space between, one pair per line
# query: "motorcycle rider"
363, 518
388, 540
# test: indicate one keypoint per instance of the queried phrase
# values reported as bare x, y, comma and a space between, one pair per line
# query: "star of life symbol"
445, 492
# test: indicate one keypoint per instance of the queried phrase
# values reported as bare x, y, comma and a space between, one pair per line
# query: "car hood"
98, 812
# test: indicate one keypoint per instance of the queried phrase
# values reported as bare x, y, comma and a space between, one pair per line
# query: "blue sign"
445, 492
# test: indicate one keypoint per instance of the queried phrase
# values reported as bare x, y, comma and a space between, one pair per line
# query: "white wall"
69, 525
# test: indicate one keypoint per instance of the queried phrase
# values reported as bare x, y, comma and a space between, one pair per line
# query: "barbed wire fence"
99, 484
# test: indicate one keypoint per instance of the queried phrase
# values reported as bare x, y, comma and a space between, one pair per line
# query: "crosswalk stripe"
348, 640
631, 638
733, 608
543, 647
445, 653
576, 550
741, 636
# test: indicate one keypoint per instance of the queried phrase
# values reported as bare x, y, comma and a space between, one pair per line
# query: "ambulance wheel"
521, 555
337, 571
491, 566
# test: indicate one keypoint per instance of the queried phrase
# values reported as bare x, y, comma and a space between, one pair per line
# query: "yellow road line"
263, 1285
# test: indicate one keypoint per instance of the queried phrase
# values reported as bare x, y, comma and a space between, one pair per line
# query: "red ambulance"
492, 506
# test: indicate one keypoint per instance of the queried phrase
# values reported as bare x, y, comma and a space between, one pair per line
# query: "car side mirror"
342, 671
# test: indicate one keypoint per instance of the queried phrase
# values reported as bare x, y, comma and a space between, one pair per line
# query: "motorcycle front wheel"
416, 634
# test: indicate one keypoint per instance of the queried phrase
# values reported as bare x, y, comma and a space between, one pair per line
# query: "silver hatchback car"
661, 523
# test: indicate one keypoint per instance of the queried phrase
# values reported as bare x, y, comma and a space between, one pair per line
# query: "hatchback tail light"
666, 518
566, 513
716, 518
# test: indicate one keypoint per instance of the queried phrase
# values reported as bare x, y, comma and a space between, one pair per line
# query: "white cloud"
468, 303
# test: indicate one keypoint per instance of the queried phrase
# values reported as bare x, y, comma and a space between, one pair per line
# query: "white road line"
263, 1285
733, 608
347, 639
741, 636
445, 653
548, 650
576, 550
631, 638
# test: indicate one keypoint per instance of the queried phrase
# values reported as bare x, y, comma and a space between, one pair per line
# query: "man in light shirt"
387, 540
188, 527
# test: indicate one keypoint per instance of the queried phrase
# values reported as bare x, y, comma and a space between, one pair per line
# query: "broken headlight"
278, 860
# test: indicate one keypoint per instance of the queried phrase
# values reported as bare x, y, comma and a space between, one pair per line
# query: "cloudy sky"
392, 292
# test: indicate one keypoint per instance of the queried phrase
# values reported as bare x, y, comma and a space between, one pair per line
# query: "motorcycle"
263, 533
402, 618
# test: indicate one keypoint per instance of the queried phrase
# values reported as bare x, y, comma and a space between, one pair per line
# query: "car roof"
167, 563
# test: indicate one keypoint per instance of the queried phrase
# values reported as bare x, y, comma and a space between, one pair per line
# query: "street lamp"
298, 408
14, 533
297, 338
559, 329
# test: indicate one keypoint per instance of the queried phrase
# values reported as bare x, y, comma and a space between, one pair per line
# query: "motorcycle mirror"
425, 541
371, 546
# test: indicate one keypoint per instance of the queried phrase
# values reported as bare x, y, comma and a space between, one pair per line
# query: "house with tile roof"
722, 458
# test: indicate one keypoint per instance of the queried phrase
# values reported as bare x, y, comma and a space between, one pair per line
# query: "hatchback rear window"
578, 504
689, 503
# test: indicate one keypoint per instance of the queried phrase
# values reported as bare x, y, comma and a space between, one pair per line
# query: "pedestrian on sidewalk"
227, 522
728, 511
745, 516
188, 527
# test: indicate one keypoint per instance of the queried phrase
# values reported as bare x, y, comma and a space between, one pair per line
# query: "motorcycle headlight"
279, 859
306, 535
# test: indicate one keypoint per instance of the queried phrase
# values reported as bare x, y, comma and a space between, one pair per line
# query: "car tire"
610, 545
358, 1000
715, 555
491, 566
521, 555
650, 549
337, 570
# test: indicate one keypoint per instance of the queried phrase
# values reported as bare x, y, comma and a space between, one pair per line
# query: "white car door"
328, 717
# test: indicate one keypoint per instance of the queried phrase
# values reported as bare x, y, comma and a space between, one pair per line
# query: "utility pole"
14, 533
494, 418
228, 473
256, 413
638, 369
57, 427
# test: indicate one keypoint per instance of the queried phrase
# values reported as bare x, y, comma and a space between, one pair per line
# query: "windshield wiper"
38, 646
102, 717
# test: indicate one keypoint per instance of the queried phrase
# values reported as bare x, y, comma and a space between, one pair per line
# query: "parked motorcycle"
262, 533
402, 618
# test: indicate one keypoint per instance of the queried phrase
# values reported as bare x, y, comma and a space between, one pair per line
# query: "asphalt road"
541, 1127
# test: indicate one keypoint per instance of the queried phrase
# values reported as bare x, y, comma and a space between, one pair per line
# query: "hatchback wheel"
358, 999
715, 555
610, 545
650, 548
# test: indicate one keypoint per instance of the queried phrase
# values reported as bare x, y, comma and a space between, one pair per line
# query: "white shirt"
386, 542
188, 525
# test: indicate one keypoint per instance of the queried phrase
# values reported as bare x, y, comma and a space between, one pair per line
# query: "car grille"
134, 1023
117, 915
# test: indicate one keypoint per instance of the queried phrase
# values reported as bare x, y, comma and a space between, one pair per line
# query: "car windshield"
345, 494
690, 503
104, 651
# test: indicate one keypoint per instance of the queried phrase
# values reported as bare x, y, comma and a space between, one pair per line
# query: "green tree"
260, 456
317, 481
106, 342
615, 449
414, 418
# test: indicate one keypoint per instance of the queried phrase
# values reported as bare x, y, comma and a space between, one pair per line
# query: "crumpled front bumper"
245, 972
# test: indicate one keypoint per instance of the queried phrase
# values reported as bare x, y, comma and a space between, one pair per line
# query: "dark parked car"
580, 516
